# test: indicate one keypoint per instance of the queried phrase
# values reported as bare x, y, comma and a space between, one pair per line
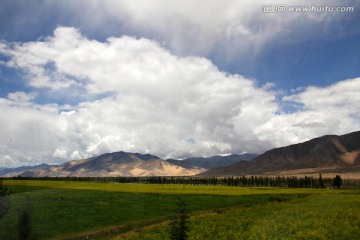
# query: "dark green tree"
4, 199
321, 182
337, 181
179, 224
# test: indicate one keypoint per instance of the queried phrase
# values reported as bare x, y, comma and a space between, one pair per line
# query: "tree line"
241, 181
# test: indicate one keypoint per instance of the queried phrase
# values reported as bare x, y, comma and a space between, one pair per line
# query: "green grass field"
76, 210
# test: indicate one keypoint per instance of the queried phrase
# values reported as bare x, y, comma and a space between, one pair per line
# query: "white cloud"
342, 96
154, 102
21, 96
28, 132
326, 110
60, 153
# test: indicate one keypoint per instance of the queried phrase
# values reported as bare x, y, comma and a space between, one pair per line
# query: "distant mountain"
329, 153
9, 172
182, 163
118, 164
219, 161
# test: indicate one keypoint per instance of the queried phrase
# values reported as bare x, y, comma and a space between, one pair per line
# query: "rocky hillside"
329, 153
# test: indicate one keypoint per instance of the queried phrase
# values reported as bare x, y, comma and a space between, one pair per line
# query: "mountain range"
326, 154
117, 164
9, 172
135, 164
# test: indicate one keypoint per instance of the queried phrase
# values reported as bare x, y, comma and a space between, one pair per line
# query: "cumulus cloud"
325, 110
341, 96
29, 131
150, 100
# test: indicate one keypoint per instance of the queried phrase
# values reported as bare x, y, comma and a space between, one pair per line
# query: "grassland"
76, 210
319, 216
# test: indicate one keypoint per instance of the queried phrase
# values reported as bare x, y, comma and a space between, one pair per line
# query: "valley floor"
79, 210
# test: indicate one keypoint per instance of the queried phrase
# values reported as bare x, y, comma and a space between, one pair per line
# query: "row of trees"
243, 181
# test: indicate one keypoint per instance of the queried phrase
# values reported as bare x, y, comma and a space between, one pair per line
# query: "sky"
173, 78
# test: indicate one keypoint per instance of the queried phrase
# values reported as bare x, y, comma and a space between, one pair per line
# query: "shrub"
4, 199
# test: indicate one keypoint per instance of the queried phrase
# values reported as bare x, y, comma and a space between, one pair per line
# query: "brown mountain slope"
331, 152
117, 164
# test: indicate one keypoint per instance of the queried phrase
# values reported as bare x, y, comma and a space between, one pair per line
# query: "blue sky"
177, 80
